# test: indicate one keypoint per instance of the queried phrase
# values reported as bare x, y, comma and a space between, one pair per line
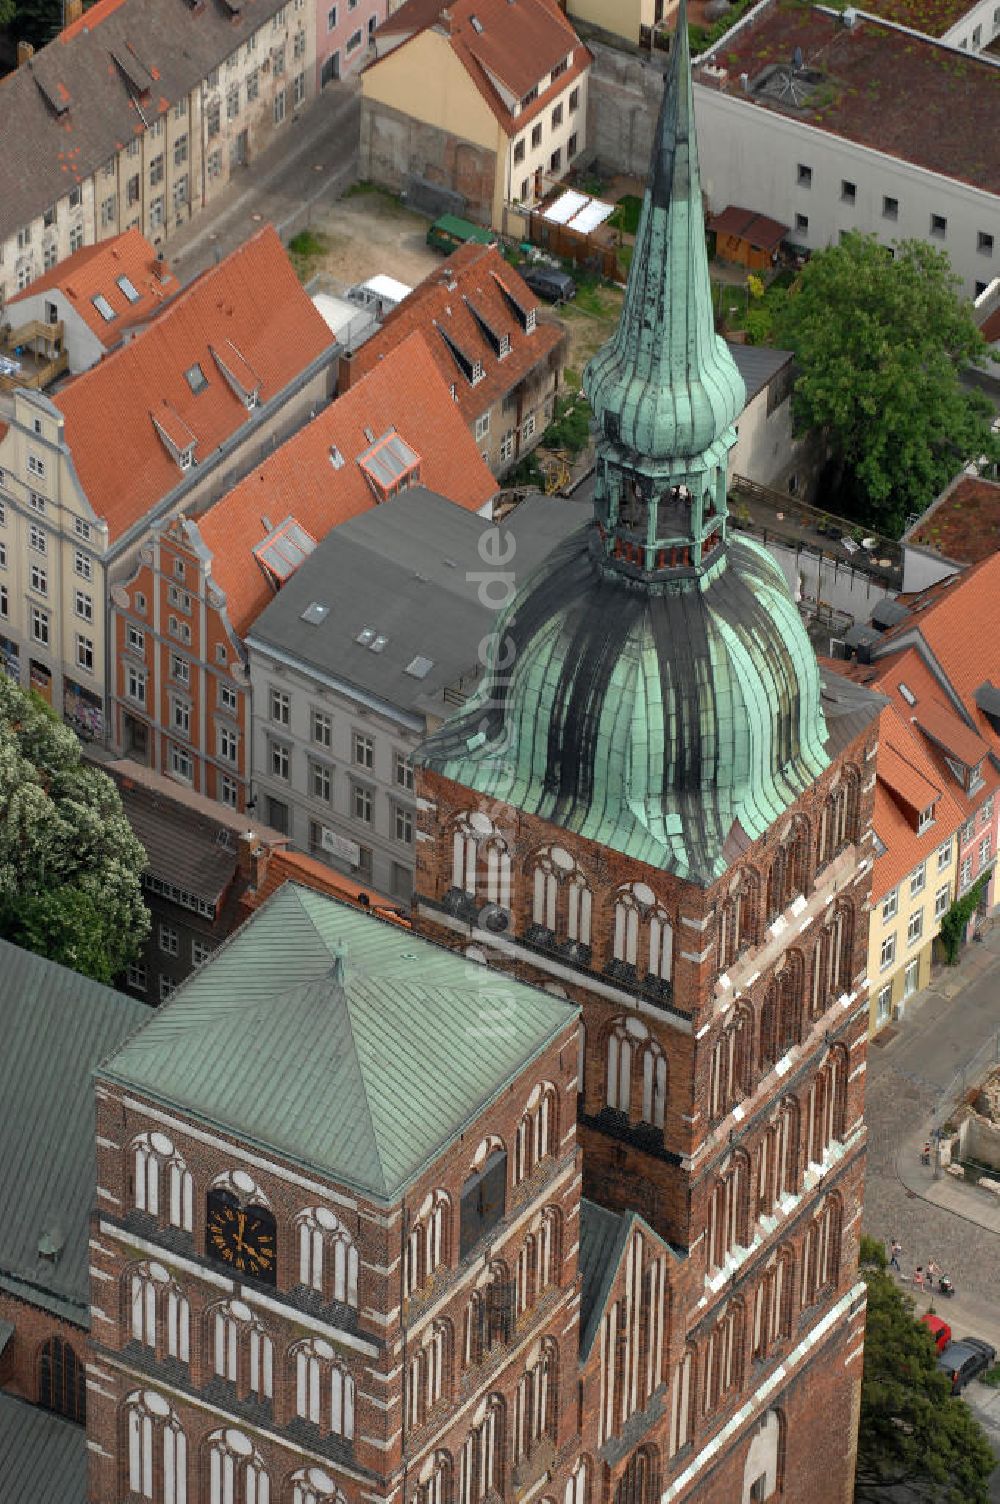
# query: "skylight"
104, 308
196, 378
907, 693
420, 667
314, 613
128, 288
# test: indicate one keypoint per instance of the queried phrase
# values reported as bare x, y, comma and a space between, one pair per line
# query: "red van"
939, 1330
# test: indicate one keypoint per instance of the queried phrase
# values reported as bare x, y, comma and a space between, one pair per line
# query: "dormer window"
504, 346
477, 372
529, 322
529, 98
560, 68
925, 819
185, 457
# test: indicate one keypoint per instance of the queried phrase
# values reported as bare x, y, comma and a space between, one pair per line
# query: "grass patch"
991, 1377
626, 215
570, 426
305, 249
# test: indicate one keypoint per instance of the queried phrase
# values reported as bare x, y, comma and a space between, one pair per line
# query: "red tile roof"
951, 733
404, 392
283, 866
251, 301
963, 525
94, 271
517, 42
956, 619
905, 774
892, 90
475, 286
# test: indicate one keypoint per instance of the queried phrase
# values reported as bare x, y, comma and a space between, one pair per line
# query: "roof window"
907, 693
128, 287
336, 458
390, 465
419, 667
196, 378
315, 614
284, 549
104, 308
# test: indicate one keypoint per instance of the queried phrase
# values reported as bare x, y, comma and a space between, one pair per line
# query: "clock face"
242, 1237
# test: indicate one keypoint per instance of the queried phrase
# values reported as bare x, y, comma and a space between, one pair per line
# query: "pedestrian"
895, 1249
925, 1157
918, 1277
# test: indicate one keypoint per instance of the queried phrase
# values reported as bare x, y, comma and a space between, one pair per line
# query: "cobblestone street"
907, 1080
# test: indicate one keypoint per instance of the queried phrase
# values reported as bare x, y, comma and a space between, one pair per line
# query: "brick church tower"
659, 807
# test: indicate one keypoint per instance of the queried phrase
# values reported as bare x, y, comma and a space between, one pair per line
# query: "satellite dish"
492, 917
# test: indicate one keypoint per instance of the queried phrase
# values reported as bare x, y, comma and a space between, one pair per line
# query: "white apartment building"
137, 116
829, 125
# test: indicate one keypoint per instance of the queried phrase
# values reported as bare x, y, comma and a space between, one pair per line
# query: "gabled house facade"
159, 427
181, 690
138, 115
508, 112
501, 357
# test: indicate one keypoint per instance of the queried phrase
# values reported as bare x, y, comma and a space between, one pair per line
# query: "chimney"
72, 11
25, 52
252, 859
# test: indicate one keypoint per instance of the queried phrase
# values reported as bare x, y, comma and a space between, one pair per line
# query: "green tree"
69, 863
7, 10
913, 1435
880, 343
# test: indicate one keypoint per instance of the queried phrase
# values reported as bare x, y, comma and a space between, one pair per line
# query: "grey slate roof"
849, 708
56, 1026
305, 1032
46, 154
185, 848
757, 364
403, 569
43, 1458
604, 1236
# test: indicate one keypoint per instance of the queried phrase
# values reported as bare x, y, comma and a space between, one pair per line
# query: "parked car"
549, 282
939, 1330
966, 1360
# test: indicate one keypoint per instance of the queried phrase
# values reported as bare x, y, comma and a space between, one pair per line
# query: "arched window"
62, 1385
729, 1076
832, 958
838, 824
427, 1246
777, 1159
772, 1309
328, 1259
821, 1251
311, 1485
236, 1471
724, 1356
158, 1311
581, 1059
324, 1390
728, 1219
764, 1467
788, 873
242, 1352
826, 1105
637, 1073
639, 1484
535, 1399
538, 1130
549, 1241
428, 1377
435, 1486
737, 921
578, 1484
480, 1468
781, 1013
490, 1314
643, 940
162, 1186
632, 1340
480, 863
682, 1401
561, 900
154, 1450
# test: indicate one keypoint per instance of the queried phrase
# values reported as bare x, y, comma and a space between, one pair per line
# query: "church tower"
659, 806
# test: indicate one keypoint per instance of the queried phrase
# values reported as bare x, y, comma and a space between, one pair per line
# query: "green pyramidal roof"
306, 1032
665, 384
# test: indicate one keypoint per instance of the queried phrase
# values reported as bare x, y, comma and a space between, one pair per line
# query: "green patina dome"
653, 688
671, 725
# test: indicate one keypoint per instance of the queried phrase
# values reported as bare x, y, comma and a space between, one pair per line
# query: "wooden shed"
748, 238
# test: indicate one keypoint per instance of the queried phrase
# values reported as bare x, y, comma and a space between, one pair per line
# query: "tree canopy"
69, 863
880, 342
914, 1436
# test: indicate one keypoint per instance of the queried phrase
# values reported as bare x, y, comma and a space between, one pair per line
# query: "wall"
984, 18
818, 581
922, 568
623, 103
569, 137
82, 346
33, 1326
620, 18
337, 22
939, 888
765, 449
750, 155
395, 147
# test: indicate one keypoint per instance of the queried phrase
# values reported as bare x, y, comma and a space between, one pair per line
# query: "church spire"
665, 390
